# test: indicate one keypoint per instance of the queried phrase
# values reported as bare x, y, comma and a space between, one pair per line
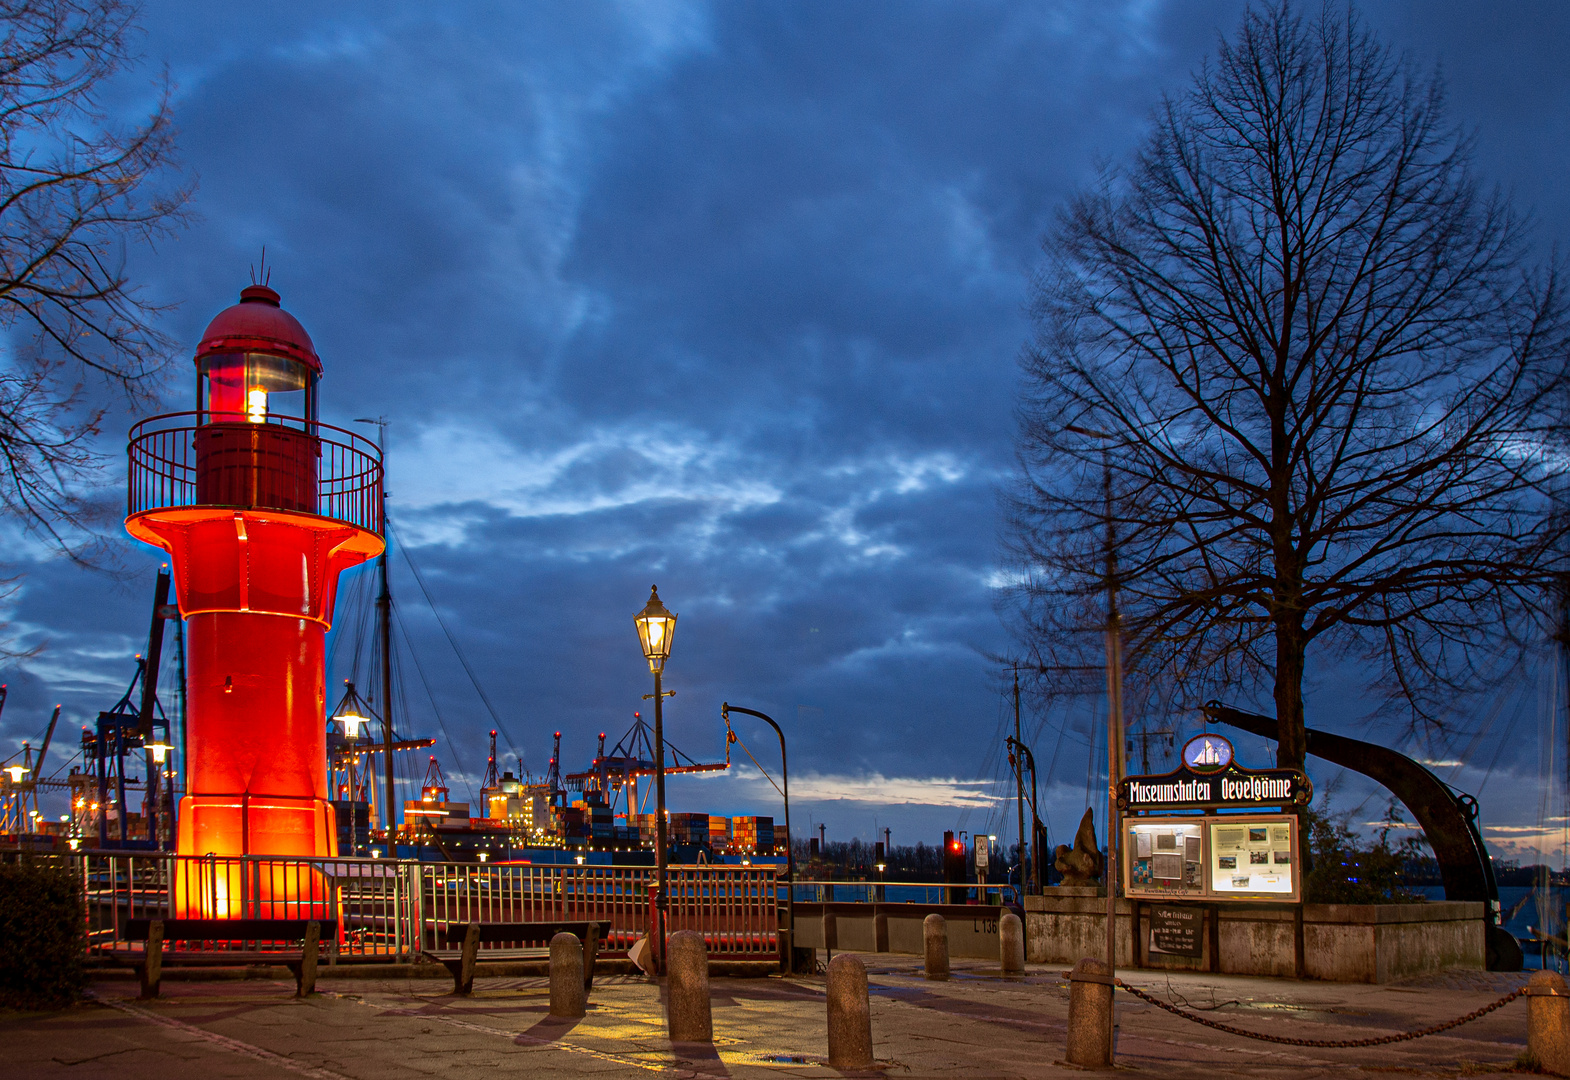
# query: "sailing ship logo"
1207, 753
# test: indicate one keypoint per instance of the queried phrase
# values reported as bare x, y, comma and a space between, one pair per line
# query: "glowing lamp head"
17, 772
655, 626
251, 353
159, 749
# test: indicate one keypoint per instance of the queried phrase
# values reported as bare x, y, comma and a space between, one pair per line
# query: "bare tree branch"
76, 191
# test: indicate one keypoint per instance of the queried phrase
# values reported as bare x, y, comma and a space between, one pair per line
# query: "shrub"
42, 935
1349, 870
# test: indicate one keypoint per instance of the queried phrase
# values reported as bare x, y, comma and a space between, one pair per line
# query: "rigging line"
1481, 732
761, 769
352, 597
462, 658
418, 667
1499, 748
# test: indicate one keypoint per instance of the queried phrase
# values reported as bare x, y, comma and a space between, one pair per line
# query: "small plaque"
1177, 931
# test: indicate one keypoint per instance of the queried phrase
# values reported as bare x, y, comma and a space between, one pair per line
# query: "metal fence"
367, 898
903, 892
391, 909
735, 908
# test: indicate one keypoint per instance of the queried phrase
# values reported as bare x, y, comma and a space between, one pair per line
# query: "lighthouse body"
260, 508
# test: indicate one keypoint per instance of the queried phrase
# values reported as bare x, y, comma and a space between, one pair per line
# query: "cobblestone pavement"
976, 1024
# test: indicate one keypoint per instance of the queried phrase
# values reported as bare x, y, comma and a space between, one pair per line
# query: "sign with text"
1177, 931
1232, 786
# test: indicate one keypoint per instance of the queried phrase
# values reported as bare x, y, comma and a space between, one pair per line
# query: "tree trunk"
1292, 745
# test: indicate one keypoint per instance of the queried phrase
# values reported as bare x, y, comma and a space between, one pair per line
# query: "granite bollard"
568, 997
1090, 1015
687, 989
1011, 942
850, 1014
1548, 1022
935, 938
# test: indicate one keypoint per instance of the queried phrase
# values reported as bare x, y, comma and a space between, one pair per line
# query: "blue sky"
726, 297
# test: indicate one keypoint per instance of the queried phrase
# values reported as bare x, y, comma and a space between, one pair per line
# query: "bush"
1348, 870
42, 935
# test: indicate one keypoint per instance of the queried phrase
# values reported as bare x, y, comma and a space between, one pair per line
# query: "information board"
1177, 931
1165, 857
1254, 856
1212, 857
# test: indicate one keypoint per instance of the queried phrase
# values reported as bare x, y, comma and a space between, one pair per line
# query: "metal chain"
1325, 1043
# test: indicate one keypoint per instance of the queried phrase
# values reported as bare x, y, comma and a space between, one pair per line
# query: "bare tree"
76, 190
1307, 355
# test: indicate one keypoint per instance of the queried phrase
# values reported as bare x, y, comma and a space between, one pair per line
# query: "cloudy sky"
726, 297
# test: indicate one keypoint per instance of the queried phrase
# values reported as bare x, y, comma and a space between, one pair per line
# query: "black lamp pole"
790, 855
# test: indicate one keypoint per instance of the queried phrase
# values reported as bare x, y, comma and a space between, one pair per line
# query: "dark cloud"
723, 297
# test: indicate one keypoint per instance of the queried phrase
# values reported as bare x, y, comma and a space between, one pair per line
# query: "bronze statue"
1081, 864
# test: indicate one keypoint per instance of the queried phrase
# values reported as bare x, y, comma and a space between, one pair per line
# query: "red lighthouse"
260, 507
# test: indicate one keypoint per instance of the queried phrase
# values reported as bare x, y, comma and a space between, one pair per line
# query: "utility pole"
1114, 689
1114, 713
1019, 787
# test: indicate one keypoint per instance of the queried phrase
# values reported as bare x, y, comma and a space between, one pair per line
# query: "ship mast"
384, 635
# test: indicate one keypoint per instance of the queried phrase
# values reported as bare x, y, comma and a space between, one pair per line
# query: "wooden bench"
467, 937
301, 961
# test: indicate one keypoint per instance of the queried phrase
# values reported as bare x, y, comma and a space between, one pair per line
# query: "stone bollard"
568, 997
1090, 1015
687, 989
152, 966
1548, 1022
850, 1014
935, 935
1011, 941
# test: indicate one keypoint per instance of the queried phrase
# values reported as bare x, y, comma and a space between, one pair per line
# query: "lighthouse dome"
257, 324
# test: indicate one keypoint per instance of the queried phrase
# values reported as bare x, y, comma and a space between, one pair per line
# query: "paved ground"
976, 1025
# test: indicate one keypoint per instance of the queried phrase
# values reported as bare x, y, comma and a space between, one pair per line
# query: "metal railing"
903, 892
735, 908
503, 892
163, 452
367, 898
393, 909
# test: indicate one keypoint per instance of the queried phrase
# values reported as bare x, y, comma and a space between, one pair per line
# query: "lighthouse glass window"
1164, 857
1254, 856
251, 386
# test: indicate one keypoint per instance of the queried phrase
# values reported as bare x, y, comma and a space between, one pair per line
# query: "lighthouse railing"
163, 452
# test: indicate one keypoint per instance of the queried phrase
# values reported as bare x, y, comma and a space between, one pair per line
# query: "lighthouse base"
226, 879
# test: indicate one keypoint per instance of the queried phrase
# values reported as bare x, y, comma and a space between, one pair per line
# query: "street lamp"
655, 626
726, 708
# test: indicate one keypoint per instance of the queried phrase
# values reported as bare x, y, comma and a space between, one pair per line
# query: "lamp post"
655, 626
726, 708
